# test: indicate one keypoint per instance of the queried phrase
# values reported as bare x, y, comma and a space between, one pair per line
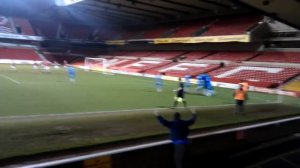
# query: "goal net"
96, 64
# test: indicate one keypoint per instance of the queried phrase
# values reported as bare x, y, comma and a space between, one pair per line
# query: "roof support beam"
119, 5
186, 5
216, 3
119, 12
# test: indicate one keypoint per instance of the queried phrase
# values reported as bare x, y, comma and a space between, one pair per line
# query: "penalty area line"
11, 79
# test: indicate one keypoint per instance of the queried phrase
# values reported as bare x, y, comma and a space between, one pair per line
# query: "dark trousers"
179, 155
239, 106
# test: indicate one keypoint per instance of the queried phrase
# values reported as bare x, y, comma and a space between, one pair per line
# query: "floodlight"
66, 2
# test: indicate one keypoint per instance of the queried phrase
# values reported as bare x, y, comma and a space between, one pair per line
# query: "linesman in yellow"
240, 96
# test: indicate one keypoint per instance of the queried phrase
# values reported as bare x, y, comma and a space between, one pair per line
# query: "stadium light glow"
66, 2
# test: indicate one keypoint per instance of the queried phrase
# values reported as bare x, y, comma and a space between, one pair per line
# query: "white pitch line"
11, 79
152, 144
120, 111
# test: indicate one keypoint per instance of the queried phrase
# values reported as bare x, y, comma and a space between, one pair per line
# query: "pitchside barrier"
209, 148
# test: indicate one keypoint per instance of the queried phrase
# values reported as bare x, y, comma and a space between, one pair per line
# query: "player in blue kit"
200, 82
158, 82
71, 73
187, 83
204, 82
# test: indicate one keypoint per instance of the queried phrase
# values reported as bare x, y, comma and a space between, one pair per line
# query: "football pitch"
25, 92
42, 112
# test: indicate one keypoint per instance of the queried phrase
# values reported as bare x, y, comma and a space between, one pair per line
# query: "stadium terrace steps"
231, 25
88, 53
21, 26
60, 58
254, 56
19, 54
287, 57
141, 66
194, 55
167, 55
273, 64
132, 34
189, 28
119, 53
117, 64
24, 25
199, 62
180, 69
237, 56
5, 26
138, 53
257, 76
157, 32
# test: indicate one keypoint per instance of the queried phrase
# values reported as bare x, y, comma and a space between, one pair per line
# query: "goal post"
96, 64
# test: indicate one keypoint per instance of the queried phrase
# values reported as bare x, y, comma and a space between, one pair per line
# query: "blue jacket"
179, 129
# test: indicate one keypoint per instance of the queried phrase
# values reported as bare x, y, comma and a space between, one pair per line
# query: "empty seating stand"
282, 57
189, 29
118, 64
24, 26
157, 32
139, 54
130, 34
88, 53
182, 68
18, 54
194, 55
231, 25
256, 76
232, 56
60, 58
166, 54
5, 26
141, 66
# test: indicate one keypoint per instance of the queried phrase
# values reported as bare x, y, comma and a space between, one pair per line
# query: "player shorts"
239, 102
178, 99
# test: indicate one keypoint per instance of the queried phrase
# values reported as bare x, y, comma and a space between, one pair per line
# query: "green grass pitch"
25, 92
33, 107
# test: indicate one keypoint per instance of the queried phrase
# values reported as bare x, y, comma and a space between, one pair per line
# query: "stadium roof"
124, 12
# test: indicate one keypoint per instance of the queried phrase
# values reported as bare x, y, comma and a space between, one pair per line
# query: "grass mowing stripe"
11, 79
151, 144
131, 110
